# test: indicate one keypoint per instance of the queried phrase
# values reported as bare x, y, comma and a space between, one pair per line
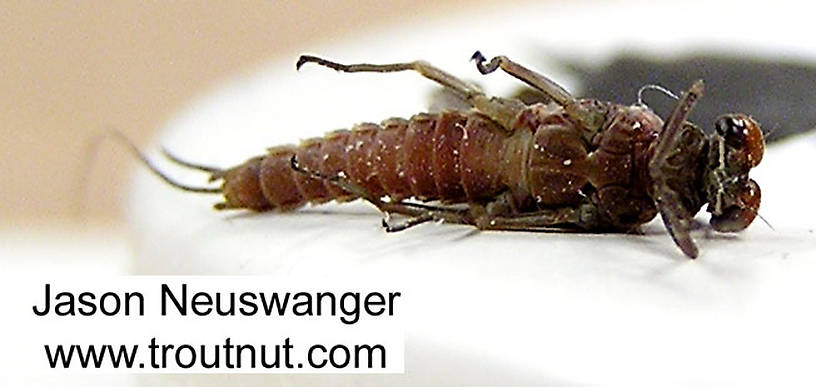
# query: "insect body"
572, 163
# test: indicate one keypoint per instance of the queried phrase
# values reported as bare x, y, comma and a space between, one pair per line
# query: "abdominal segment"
451, 157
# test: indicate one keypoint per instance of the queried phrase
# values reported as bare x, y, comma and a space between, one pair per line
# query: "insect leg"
461, 87
541, 83
675, 216
530, 77
502, 110
501, 214
411, 222
419, 213
583, 217
496, 215
338, 180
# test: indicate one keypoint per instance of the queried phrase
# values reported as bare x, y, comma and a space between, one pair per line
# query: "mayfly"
569, 164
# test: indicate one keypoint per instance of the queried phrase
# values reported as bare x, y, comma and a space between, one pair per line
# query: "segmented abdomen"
451, 156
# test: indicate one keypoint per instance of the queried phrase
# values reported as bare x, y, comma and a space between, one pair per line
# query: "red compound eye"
739, 216
742, 133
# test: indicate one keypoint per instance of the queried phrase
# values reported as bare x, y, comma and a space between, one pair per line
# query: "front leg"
675, 216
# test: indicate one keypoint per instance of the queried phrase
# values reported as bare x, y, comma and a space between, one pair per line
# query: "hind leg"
572, 106
504, 111
418, 213
584, 217
499, 214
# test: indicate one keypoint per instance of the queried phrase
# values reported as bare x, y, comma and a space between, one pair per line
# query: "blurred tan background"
70, 69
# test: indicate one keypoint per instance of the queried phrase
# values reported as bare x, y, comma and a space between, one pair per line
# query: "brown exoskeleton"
578, 164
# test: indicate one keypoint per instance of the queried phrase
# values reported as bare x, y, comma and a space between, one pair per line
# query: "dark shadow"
777, 92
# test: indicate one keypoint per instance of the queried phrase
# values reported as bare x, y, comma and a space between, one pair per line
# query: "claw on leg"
467, 91
530, 77
480, 65
590, 119
411, 222
503, 112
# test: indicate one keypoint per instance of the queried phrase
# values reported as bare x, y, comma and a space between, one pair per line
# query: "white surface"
32, 252
500, 307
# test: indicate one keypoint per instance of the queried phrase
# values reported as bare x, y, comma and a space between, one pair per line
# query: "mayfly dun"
568, 164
